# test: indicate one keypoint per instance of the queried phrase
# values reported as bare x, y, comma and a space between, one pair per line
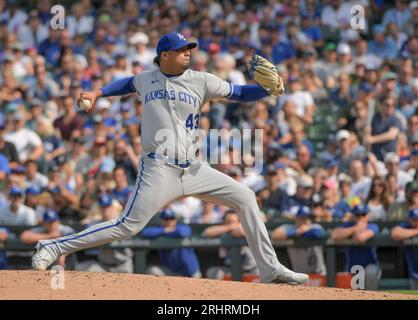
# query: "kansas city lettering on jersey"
163, 94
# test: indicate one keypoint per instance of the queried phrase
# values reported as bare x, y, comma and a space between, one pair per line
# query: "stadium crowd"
344, 134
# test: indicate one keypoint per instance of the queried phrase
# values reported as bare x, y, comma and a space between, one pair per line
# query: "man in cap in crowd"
140, 51
385, 128
276, 197
360, 231
402, 178
50, 228
32, 200
345, 64
408, 230
306, 259
345, 154
16, 213
106, 259
27, 142
381, 46
304, 191
7, 148
360, 183
177, 261
231, 226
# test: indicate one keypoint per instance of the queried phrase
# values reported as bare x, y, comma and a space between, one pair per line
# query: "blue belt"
176, 162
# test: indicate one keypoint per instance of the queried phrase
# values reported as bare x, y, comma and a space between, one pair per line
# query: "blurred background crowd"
344, 134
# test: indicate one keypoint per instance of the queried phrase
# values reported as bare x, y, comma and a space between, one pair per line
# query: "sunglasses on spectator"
168, 218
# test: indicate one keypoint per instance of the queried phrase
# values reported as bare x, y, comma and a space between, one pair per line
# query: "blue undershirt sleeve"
119, 87
247, 92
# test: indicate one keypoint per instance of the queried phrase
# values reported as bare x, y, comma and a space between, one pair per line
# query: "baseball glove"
265, 74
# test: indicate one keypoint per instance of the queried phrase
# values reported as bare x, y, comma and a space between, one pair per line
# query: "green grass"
403, 291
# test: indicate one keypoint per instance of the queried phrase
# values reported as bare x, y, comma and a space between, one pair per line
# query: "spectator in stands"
408, 230
34, 177
342, 208
378, 199
107, 259
50, 228
232, 227
360, 183
306, 259
125, 157
345, 150
16, 213
302, 197
402, 178
285, 178
32, 200
70, 123
360, 231
122, 189
176, 261
275, 197
331, 199
7, 148
27, 142
385, 128
302, 99
385, 48
399, 15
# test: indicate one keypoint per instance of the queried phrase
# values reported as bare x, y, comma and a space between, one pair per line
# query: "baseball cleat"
42, 259
290, 277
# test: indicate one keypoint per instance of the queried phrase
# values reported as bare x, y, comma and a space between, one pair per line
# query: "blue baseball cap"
413, 213
168, 214
18, 170
304, 211
360, 209
280, 165
173, 41
378, 28
331, 163
105, 200
15, 191
34, 190
50, 216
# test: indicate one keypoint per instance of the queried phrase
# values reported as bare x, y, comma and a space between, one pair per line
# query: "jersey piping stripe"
113, 225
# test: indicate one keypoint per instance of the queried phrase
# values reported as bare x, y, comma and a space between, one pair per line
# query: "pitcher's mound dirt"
91, 285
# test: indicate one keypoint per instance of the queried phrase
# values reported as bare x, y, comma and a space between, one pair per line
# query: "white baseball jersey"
171, 109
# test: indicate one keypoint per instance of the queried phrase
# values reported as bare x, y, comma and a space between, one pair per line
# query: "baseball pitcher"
172, 97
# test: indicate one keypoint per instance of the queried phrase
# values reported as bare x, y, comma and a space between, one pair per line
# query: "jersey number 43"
192, 121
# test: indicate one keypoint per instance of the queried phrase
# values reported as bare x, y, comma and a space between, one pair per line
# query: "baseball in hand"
85, 104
